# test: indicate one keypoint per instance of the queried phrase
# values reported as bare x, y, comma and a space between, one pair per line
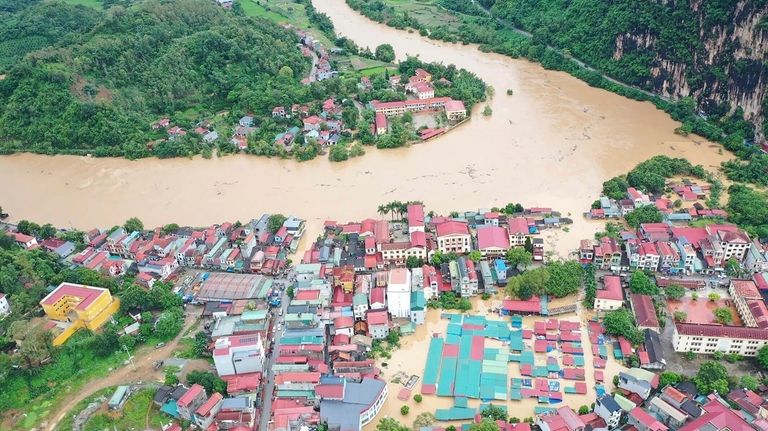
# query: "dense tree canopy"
620, 322
641, 283
96, 82
749, 209
712, 376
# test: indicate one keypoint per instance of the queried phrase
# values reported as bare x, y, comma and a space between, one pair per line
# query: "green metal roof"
360, 299
254, 315
418, 301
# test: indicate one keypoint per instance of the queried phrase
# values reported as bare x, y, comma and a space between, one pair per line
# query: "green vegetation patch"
139, 412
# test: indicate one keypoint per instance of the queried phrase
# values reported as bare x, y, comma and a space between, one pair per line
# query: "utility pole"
130, 358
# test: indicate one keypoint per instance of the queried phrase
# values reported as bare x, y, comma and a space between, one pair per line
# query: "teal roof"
408, 328
418, 302
170, 408
254, 315
265, 288
118, 396
360, 299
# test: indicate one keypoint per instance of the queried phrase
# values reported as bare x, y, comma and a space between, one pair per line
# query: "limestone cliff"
727, 68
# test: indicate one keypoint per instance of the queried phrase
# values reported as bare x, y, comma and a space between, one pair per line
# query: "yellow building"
81, 306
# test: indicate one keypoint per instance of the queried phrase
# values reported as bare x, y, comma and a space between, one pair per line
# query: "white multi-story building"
611, 297
431, 281
399, 292
643, 256
399, 252
749, 303
711, 338
239, 354
518, 231
453, 237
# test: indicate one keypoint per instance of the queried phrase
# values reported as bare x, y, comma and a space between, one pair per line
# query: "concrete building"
239, 354
356, 406
206, 413
667, 413
492, 241
634, 384
642, 421
749, 303
611, 296
191, 401
608, 409
711, 338
453, 237
399, 293
518, 231
418, 307
79, 306
415, 218
378, 324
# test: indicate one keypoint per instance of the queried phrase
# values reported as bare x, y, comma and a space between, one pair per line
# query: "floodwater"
412, 355
551, 144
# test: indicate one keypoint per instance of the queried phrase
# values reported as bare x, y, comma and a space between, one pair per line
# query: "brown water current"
551, 144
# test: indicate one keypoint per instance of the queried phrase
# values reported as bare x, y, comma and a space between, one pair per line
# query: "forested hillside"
712, 50
79, 80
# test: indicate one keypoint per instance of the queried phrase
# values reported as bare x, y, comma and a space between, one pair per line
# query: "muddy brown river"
551, 144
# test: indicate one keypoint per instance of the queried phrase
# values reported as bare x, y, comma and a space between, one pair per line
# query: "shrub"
404, 410
417, 398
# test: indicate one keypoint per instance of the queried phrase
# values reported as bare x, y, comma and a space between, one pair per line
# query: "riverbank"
496, 28
552, 143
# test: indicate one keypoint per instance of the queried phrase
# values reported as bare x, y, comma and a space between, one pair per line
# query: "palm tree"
382, 210
391, 209
399, 208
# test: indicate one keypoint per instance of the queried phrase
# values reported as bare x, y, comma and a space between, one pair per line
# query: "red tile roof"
378, 317
416, 215
761, 281
381, 231
532, 305
330, 391
367, 226
612, 290
418, 239
747, 289
297, 377
647, 420
307, 295
694, 235
518, 226
720, 416
86, 294
238, 383
454, 105
378, 295
713, 330
452, 227
190, 395
492, 237
370, 242
206, 408
645, 313
343, 322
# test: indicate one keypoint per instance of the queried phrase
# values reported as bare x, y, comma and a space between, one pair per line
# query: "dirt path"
144, 371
